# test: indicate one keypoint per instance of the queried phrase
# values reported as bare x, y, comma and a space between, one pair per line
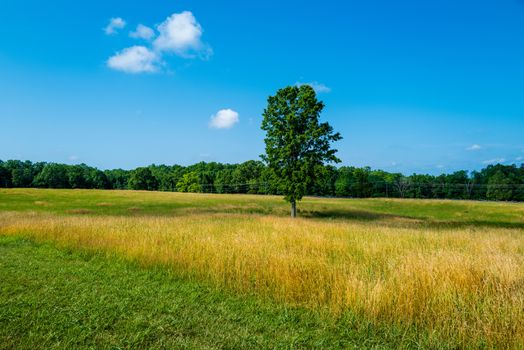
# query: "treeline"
495, 182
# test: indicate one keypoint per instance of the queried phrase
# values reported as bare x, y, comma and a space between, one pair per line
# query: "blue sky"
413, 86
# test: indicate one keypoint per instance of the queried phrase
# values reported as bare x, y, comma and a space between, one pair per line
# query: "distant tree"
142, 179
325, 181
224, 180
52, 176
206, 173
98, 179
118, 178
189, 183
518, 193
22, 173
268, 182
5, 176
458, 185
76, 176
421, 186
164, 175
499, 187
362, 186
402, 185
296, 142
381, 182
245, 176
344, 182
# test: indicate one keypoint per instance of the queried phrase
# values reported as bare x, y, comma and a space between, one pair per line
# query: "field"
151, 269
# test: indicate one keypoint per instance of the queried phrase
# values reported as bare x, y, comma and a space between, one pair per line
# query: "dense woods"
495, 182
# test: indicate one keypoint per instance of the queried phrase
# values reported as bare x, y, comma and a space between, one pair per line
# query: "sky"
412, 86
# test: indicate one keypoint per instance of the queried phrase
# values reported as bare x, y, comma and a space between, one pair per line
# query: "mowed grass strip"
63, 299
458, 277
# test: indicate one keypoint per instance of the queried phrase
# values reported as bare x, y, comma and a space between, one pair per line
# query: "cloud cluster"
178, 34
114, 25
224, 119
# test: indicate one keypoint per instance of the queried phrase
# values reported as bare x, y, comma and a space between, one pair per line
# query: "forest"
494, 182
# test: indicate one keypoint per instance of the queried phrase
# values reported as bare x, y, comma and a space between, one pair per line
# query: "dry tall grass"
462, 283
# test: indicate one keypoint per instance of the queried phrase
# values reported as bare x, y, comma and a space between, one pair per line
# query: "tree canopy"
297, 143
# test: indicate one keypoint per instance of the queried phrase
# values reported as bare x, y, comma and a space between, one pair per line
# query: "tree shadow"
358, 215
392, 220
474, 223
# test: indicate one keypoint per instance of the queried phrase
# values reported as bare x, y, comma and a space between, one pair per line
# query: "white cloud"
318, 87
224, 119
142, 32
73, 157
181, 34
114, 24
134, 59
519, 158
474, 147
494, 161
440, 166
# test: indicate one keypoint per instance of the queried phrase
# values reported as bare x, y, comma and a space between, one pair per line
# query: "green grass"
51, 298
139, 203
132, 269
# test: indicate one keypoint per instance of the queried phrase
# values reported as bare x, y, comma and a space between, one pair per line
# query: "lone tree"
297, 144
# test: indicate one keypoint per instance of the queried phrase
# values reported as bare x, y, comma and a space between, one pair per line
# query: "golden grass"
458, 283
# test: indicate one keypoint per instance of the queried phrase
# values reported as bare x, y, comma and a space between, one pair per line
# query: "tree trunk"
293, 209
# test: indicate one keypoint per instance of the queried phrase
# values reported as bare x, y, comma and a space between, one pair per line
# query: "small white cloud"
494, 161
134, 59
114, 24
224, 119
318, 87
440, 166
519, 158
142, 32
474, 147
181, 34
73, 157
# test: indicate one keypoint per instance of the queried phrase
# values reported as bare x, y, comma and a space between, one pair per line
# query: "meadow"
346, 273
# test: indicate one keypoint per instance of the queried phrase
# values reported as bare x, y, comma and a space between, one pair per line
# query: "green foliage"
190, 182
52, 176
495, 182
500, 187
297, 144
224, 181
142, 179
117, 178
5, 176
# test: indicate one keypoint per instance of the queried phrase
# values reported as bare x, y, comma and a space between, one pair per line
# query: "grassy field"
372, 272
